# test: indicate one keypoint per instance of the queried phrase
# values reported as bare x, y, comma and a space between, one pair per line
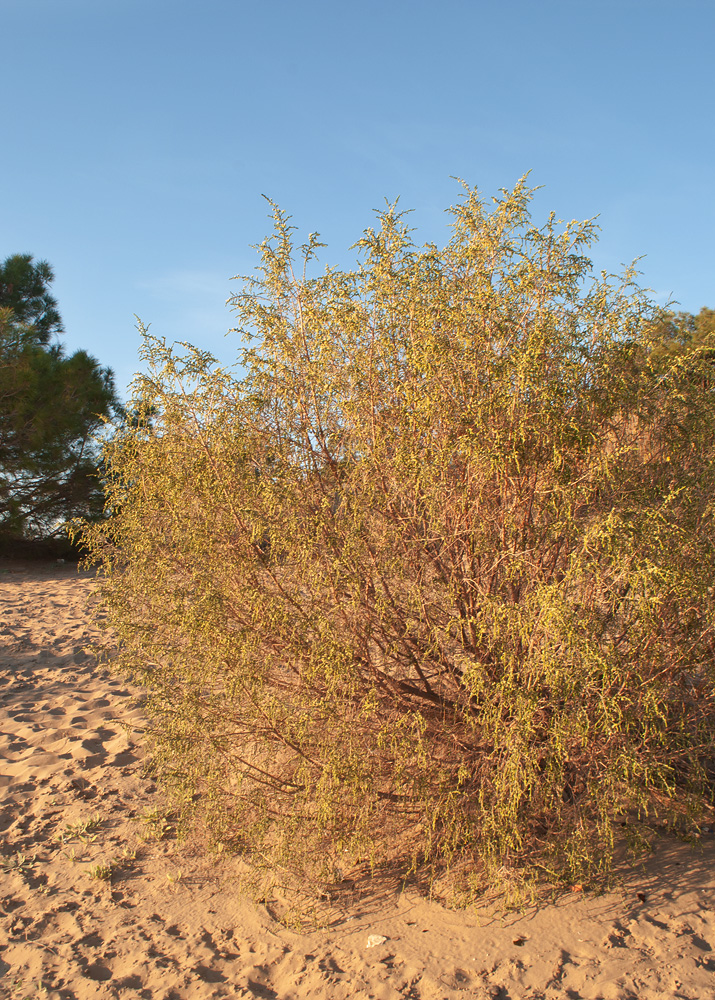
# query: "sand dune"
98, 900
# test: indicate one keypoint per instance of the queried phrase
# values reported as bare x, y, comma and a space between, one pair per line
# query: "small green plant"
19, 862
83, 830
157, 824
23, 990
28, 989
103, 871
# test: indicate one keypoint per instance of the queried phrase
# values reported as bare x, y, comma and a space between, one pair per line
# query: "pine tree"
52, 406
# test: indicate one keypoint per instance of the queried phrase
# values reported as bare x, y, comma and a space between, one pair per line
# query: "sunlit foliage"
432, 582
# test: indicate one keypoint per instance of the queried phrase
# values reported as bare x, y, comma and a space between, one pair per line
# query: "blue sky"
141, 134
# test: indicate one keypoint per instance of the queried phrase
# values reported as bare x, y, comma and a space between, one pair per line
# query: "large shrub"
433, 583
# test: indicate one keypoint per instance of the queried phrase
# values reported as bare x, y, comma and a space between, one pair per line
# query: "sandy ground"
167, 922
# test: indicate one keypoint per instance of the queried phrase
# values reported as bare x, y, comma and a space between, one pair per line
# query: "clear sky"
139, 136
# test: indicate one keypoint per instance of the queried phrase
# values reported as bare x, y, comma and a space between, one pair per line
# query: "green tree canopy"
24, 288
52, 406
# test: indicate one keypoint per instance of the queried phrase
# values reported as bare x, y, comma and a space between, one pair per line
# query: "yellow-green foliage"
433, 581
